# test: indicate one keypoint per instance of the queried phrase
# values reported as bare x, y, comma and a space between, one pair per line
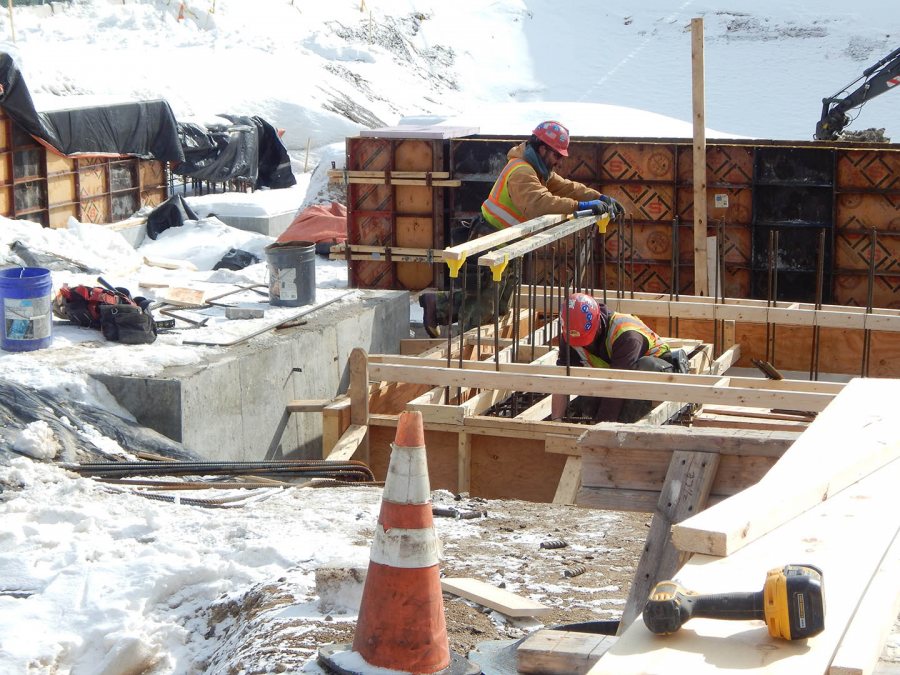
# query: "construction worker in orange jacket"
527, 187
592, 336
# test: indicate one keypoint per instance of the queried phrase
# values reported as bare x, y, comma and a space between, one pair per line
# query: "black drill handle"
735, 606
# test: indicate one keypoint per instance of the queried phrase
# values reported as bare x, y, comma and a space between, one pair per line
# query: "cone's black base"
458, 665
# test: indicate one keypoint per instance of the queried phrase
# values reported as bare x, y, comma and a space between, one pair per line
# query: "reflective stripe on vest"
498, 209
619, 324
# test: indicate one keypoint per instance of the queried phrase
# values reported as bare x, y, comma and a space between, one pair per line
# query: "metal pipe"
820, 283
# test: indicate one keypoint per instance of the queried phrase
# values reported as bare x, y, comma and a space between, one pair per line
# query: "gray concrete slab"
231, 406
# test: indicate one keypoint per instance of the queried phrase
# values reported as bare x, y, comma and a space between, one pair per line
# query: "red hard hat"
555, 135
580, 320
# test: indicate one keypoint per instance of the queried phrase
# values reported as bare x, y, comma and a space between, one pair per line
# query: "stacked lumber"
830, 501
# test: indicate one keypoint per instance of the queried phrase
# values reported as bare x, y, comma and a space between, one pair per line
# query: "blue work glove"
615, 208
595, 206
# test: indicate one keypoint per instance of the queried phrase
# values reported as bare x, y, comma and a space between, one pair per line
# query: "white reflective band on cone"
410, 549
407, 478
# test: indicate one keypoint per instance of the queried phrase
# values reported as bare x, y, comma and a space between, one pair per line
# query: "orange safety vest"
498, 209
619, 324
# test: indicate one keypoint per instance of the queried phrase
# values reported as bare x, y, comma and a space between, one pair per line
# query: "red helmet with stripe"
580, 320
555, 135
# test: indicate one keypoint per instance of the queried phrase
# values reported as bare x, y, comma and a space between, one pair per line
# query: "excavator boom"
877, 79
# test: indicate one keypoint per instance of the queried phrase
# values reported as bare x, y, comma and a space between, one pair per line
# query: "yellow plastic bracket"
497, 270
602, 222
454, 265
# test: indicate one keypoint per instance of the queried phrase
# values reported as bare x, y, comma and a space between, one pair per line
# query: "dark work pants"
632, 410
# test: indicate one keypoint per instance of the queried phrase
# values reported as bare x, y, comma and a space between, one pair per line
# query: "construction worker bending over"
527, 187
592, 336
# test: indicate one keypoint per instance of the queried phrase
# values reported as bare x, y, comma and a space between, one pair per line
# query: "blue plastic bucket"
25, 308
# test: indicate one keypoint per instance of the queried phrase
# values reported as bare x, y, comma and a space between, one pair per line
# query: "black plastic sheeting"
248, 148
171, 213
245, 149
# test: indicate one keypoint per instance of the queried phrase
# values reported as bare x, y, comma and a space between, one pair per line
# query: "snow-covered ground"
94, 581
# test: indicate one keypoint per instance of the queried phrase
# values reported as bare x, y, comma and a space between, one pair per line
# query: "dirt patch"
259, 632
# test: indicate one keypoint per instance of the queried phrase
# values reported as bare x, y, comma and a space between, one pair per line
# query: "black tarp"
247, 148
144, 129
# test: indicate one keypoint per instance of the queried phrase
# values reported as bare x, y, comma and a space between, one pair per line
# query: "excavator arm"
877, 79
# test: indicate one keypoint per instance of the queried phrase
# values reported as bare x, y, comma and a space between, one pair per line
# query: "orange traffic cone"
401, 625
181, 12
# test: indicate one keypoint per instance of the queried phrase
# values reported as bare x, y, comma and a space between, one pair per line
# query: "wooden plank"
536, 241
309, 405
685, 491
547, 366
836, 535
182, 297
569, 482
667, 387
338, 173
348, 443
538, 411
453, 182
335, 420
561, 652
858, 433
701, 280
862, 644
728, 441
464, 463
359, 396
489, 241
499, 599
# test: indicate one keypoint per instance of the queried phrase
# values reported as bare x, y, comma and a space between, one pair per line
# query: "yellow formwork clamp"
454, 265
602, 222
497, 270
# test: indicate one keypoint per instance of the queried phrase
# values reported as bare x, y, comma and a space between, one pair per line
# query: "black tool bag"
127, 324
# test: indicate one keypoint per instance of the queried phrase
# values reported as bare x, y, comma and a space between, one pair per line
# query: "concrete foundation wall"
232, 406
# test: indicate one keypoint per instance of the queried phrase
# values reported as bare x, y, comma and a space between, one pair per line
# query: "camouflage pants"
475, 306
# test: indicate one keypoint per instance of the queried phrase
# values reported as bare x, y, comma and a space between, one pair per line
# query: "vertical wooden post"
12, 29
359, 396
464, 462
701, 278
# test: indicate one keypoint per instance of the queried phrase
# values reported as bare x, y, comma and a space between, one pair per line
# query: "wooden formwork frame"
472, 452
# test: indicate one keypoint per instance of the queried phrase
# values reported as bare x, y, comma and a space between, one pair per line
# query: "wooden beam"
464, 462
721, 441
560, 652
503, 601
857, 434
536, 241
666, 387
685, 491
862, 644
309, 405
489, 241
701, 281
348, 443
543, 368
836, 535
744, 310
569, 482
359, 396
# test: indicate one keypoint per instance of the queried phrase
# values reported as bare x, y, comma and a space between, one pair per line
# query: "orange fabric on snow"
318, 223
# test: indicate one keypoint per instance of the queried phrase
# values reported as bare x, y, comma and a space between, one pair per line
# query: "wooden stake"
701, 279
12, 29
306, 161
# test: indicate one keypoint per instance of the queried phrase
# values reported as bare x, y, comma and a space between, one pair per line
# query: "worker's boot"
428, 303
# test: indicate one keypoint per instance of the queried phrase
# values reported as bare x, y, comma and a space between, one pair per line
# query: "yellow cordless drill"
792, 603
